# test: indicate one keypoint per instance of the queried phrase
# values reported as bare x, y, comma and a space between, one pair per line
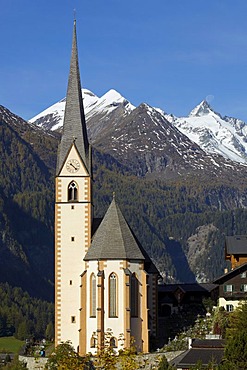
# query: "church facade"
105, 283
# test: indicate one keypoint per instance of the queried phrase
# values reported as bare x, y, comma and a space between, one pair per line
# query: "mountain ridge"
213, 133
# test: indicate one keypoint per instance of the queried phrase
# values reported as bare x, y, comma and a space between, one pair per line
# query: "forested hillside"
164, 215
181, 222
26, 205
23, 316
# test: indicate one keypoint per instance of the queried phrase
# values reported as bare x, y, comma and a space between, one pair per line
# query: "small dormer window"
72, 192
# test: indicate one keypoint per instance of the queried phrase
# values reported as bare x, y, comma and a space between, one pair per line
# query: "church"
105, 282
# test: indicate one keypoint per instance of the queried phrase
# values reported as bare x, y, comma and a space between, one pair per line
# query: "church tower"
73, 209
106, 281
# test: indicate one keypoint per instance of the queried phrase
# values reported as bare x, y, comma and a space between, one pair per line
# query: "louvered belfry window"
134, 295
72, 192
93, 296
113, 295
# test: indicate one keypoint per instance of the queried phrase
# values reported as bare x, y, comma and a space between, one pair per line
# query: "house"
232, 287
105, 283
204, 351
236, 250
173, 297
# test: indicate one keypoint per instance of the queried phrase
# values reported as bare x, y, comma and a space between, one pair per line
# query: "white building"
104, 283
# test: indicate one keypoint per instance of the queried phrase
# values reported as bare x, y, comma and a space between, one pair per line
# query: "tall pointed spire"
74, 125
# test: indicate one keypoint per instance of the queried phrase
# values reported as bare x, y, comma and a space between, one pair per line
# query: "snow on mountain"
225, 136
215, 134
52, 117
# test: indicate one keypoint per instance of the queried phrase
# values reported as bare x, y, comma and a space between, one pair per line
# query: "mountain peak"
113, 96
203, 109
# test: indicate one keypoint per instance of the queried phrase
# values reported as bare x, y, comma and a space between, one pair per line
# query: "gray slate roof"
74, 125
192, 356
114, 239
236, 244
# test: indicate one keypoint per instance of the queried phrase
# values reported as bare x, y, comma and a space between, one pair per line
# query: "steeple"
74, 125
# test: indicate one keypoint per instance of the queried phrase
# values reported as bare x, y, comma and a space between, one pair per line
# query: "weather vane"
74, 14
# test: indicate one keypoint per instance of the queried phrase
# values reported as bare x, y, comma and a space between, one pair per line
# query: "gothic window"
72, 192
93, 296
113, 342
113, 295
134, 295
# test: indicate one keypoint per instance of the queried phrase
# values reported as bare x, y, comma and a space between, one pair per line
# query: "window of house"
243, 275
243, 288
93, 296
113, 342
113, 295
72, 192
70, 282
229, 308
72, 319
72, 238
228, 288
134, 296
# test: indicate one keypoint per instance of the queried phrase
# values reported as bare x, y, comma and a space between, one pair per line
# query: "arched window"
113, 295
93, 341
93, 296
72, 192
134, 290
113, 342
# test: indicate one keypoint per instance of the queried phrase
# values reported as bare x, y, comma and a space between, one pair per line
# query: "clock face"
73, 165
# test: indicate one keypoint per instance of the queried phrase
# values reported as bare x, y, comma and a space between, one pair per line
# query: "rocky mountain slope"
226, 136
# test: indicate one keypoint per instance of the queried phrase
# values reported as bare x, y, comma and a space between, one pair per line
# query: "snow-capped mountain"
52, 117
226, 136
112, 113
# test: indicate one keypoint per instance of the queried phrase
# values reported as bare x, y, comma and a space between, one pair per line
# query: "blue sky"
168, 53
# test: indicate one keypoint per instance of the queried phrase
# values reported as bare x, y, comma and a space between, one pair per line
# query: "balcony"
234, 295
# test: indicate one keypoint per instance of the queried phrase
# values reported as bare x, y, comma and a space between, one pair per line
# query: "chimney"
189, 343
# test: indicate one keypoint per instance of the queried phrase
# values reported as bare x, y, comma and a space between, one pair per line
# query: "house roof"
74, 125
208, 343
236, 244
114, 239
193, 287
238, 270
194, 355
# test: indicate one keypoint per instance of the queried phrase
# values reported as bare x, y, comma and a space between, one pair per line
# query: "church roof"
114, 238
74, 125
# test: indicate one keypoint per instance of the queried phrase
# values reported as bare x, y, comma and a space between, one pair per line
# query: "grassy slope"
10, 344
